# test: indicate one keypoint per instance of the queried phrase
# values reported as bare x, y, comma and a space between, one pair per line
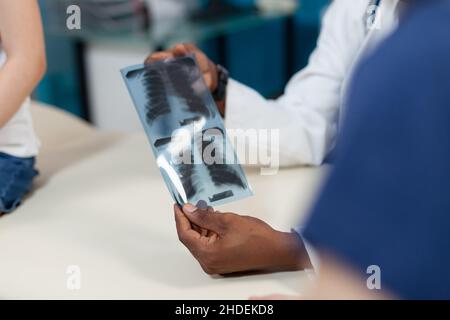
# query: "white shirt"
17, 137
307, 114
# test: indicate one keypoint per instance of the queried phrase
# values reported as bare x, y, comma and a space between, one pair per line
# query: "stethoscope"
371, 13
376, 5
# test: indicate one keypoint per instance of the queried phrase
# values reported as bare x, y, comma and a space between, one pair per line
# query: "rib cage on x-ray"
220, 174
157, 91
178, 72
171, 95
157, 103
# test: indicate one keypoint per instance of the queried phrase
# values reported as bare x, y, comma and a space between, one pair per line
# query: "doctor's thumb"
203, 218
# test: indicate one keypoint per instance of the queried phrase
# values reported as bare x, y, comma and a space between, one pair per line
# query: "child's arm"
22, 39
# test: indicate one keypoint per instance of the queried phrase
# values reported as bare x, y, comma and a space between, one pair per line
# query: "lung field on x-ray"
183, 75
171, 95
157, 103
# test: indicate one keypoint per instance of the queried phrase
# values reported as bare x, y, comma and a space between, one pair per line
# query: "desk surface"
100, 204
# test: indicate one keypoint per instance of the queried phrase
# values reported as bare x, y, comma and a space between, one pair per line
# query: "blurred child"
22, 65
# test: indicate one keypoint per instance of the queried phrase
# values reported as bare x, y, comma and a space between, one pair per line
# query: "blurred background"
261, 42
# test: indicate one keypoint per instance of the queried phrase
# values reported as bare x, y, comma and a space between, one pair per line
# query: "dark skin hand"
207, 67
225, 243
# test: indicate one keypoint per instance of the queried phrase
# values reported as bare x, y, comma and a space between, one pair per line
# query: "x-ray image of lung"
186, 132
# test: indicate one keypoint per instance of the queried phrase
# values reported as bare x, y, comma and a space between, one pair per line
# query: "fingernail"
201, 204
189, 208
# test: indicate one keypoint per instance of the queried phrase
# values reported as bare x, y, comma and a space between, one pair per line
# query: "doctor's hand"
207, 67
237, 243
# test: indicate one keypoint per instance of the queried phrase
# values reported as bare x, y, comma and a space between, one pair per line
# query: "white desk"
100, 204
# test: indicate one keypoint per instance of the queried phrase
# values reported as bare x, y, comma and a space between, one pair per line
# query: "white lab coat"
307, 114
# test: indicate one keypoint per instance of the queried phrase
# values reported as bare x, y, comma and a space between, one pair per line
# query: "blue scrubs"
387, 200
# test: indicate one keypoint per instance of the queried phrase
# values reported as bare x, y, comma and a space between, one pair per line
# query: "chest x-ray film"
186, 132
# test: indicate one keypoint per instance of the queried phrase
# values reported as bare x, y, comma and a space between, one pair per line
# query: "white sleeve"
312, 253
307, 113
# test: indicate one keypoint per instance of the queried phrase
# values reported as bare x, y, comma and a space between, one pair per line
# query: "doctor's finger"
160, 55
211, 234
204, 218
186, 234
188, 48
180, 50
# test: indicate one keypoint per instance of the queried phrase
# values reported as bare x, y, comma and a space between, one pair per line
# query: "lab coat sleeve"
307, 114
312, 253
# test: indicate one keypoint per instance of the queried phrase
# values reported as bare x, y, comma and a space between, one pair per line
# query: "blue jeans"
16, 178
